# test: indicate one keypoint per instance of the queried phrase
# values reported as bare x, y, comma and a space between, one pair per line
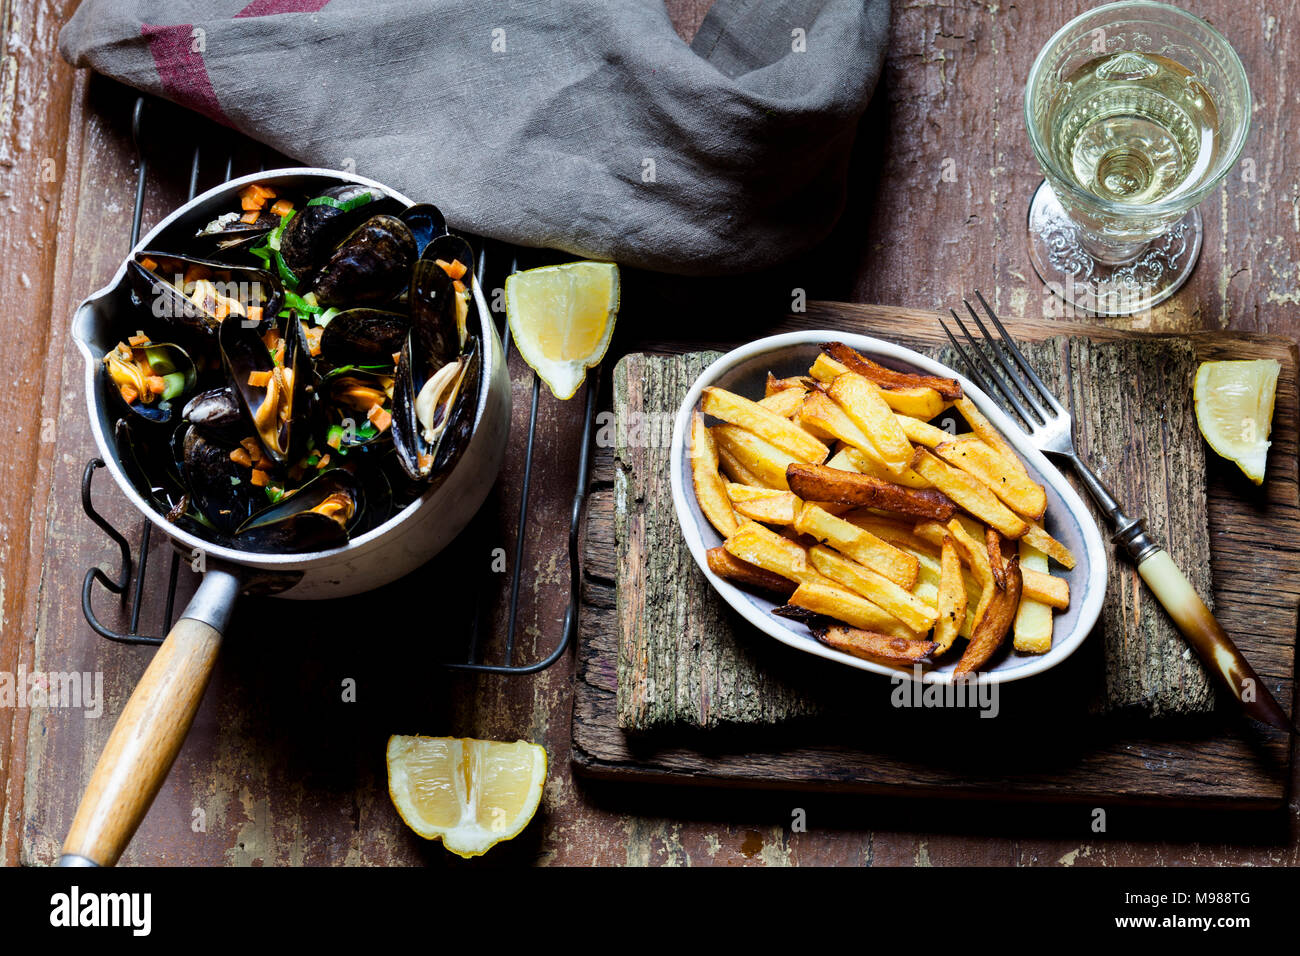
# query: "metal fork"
1050, 428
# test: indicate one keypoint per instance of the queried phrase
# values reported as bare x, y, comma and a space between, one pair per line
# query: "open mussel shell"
219, 487
149, 466
169, 362
363, 337
434, 304
277, 406
451, 249
228, 232
219, 289
324, 220
316, 517
346, 396
371, 265
433, 414
426, 223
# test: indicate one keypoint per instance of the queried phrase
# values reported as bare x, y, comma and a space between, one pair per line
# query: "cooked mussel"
373, 264
322, 223
363, 337
269, 367
149, 379
217, 410
357, 405
315, 517
199, 294
433, 411
220, 487
426, 223
231, 231
453, 256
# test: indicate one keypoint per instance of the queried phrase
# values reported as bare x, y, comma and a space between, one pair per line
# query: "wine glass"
1136, 111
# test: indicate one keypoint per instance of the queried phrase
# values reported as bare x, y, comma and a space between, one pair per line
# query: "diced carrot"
397, 357
314, 334
240, 456
156, 384
251, 216
379, 418
254, 313
458, 285
148, 263
254, 196
282, 207
456, 269
129, 394
258, 479
334, 441
259, 379
138, 340
324, 460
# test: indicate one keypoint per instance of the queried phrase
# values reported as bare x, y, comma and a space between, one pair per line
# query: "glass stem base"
1105, 279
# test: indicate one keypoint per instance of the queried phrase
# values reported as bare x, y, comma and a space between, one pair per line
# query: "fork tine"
971, 367
1019, 356
991, 377
1007, 370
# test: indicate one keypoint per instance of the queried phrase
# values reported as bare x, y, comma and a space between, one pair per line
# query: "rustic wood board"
1048, 746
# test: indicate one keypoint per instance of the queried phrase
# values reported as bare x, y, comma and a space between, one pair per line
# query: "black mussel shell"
426, 223
371, 265
435, 333
244, 351
219, 487
460, 428
168, 360
148, 464
451, 249
158, 290
291, 525
324, 220
229, 231
216, 410
363, 337
423, 458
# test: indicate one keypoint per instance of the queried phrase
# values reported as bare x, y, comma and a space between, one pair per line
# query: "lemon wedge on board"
471, 794
1234, 410
562, 319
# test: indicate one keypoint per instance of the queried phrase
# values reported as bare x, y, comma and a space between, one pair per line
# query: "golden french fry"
982, 427
861, 400
875, 587
773, 428
876, 647
869, 466
775, 384
863, 546
785, 402
1038, 584
1044, 542
922, 403
993, 545
824, 417
897, 533
763, 504
820, 483
952, 597
884, 377
763, 548
843, 605
923, 433
976, 556
825, 369
731, 466
1016, 490
968, 492
726, 565
992, 628
1032, 632
710, 490
762, 459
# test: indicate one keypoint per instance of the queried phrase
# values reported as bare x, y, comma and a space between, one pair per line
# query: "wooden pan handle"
149, 733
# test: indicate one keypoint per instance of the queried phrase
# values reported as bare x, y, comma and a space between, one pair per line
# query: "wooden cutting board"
730, 705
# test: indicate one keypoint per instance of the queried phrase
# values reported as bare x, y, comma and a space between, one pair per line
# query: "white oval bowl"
744, 371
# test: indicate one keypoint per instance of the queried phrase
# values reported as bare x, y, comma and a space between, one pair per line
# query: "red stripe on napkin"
269, 8
181, 69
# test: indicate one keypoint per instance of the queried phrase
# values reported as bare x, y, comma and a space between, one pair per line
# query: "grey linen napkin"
584, 125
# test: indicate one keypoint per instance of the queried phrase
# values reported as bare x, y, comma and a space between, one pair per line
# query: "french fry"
993, 545
1032, 631
875, 587
731, 466
843, 605
1041, 586
825, 369
824, 417
968, 492
992, 628
869, 466
876, 647
976, 556
784, 402
771, 427
982, 427
952, 597
819, 483
922, 403
856, 362
775, 384
923, 433
861, 400
897, 533
726, 565
763, 548
762, 459
1016, 490
863, 546
1044, 542
710, 490
763, 504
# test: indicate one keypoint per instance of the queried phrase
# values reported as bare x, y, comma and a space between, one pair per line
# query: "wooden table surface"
283, 772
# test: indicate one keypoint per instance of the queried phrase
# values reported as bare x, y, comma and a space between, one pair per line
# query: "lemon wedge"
562, 318
471, 794
1234, 410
